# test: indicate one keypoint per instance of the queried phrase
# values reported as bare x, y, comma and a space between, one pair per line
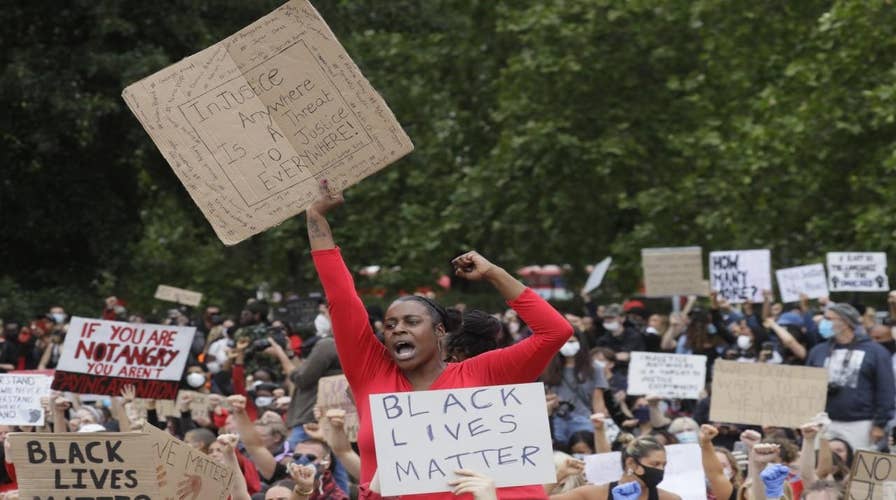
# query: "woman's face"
839, 449
655, 459
723, 459
410, 336
216, 452
581, 447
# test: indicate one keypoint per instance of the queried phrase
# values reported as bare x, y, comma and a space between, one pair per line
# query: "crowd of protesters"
260, 379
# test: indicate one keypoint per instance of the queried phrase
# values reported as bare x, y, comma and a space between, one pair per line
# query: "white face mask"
744, 342
195, 380
611, 326
570, 349
513, 327
652, 331
728, 473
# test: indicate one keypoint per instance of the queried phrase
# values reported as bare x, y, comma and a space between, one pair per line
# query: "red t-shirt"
370, 369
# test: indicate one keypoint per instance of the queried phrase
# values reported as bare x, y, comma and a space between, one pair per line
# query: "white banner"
858, 272
597, 275
667, 375
20, 398
422, 437
740, 275
99, 357
683, 475
809, 280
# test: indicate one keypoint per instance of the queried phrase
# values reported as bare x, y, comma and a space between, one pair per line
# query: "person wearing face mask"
615, 335
685, 430
643, 466
723, 478
860, 378
579, 384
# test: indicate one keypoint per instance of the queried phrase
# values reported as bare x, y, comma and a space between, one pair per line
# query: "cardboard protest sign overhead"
99, 357
873, 477
766, 394
20, 398
199, 406
741, 275
809, 280
683, 475
667, 375
178, 295
858, 272
673, 271
250, 124
597, 275
91, 464
422, 437
188, 473
333, 393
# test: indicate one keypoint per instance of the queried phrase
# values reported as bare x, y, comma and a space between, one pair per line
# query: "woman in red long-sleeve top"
411, 359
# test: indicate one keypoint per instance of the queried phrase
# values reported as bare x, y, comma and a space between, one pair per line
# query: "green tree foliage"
545, 131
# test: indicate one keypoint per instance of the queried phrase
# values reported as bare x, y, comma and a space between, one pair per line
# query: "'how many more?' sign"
422, 437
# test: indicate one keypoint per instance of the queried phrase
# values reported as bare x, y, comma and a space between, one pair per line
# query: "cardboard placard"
250, 124
199, 406
422, 437
766, 394
20, 398
178, 295
188, 473
858, 272
683, 475
673, 271
597, 275
873, 476
809, 280
99, 357
741, 275
92, 464
333, 393
667, 375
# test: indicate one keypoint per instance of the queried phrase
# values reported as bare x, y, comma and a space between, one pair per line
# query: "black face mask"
651, 476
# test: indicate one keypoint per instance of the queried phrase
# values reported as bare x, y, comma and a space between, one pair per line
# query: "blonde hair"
638, 448
569, 482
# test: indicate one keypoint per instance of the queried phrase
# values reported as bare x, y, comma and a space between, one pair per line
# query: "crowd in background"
261, 380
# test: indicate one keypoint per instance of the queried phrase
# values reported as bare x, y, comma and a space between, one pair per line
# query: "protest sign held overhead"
178, 295
673, 271
809, 280
187, 471
99, 357
766, 394
740, 275
200, 406
683, 474
333, 393
93, 464
858, 272
20, 398
666, 375
252, 123
597, 275
422, 437
872, 477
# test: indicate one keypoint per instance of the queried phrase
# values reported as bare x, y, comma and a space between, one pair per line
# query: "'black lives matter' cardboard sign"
84, 465
252, 123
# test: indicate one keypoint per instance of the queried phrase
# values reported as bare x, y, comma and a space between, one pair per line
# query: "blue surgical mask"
826, 328
686, 437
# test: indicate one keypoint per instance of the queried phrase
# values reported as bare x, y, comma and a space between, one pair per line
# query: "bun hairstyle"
637, 448
477, 334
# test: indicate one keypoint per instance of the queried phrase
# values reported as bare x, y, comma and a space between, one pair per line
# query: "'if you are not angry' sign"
99, 357
422, 437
